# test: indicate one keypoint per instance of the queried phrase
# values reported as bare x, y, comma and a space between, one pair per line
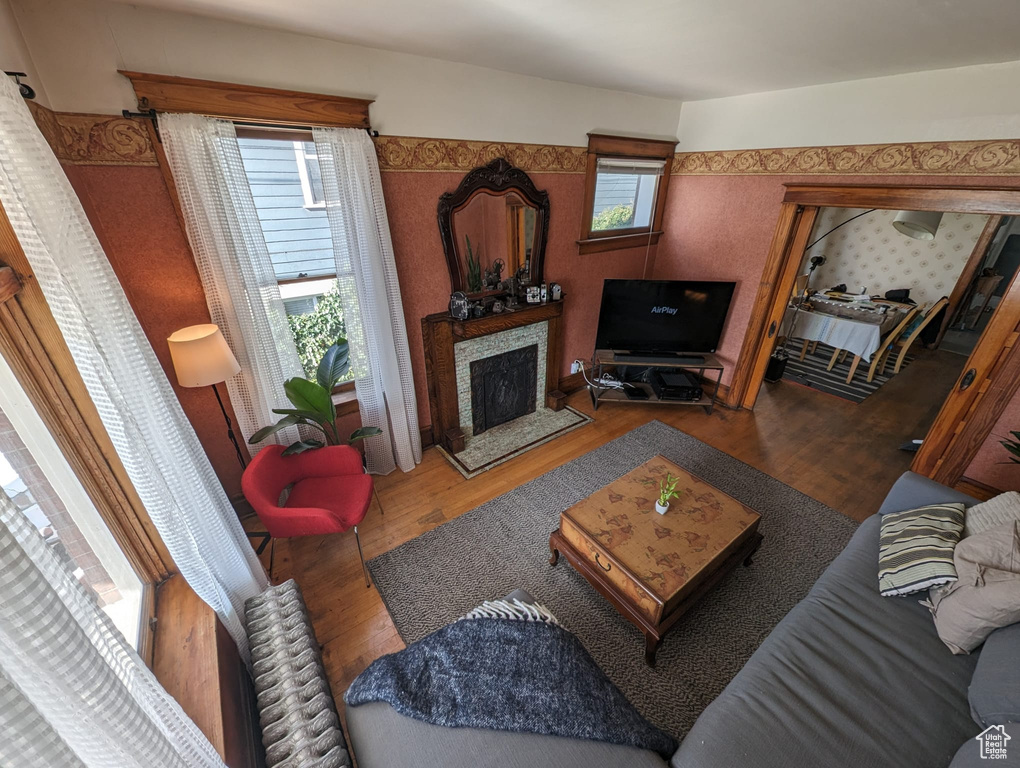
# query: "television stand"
667, 358
606, 360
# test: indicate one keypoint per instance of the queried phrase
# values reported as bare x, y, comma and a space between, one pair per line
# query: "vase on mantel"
661, 508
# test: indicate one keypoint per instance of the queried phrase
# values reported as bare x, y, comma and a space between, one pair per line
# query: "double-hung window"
286, 185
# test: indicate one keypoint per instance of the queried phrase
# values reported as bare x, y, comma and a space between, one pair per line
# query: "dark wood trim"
426, 436
963, 283
498, 177
232, 101
571, 383
603, 145
618, 242
197, 662
746, 368
976, 488
990, 200
35, 349
631, 146
440, 333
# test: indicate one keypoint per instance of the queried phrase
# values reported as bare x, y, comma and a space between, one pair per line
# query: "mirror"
493, 227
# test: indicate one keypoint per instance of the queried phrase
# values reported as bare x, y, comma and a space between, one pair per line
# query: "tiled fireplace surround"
451, 346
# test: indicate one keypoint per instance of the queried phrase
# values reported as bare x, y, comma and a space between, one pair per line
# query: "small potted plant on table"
667, 491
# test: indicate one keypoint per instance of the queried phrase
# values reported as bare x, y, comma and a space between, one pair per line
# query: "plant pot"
662, 508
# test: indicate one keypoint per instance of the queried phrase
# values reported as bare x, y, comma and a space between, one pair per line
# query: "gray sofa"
847, 678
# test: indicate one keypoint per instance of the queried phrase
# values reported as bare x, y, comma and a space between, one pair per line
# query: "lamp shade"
920, 225
201, 356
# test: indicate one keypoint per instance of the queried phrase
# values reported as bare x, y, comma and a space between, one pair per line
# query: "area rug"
504, 442
810, 372
504, 544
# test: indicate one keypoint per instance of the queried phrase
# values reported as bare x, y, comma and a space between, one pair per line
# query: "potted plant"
313, 404
667, 491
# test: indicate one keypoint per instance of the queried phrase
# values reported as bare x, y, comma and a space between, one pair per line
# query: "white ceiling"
687, 49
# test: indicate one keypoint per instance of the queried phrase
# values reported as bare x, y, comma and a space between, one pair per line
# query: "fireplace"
503, 387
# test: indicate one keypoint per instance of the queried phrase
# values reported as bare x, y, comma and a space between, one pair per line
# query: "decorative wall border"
947, 158
79, 139
400, 153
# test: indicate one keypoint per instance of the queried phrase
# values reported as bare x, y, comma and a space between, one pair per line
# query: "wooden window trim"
603, 145
34, 347
231, 101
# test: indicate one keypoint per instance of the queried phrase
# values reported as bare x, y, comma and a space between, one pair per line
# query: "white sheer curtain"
373, 313
152, 436
234, 264
72, 691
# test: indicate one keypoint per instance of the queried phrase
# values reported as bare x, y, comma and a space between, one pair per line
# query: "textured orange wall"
131, 212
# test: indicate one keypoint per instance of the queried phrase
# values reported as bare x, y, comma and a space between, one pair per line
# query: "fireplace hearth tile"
505, 441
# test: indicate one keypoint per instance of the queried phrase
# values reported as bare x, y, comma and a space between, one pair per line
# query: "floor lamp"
202, 358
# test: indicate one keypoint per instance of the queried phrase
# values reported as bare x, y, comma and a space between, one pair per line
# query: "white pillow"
1002, 509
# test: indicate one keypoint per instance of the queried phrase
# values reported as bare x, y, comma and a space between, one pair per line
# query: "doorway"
989, 376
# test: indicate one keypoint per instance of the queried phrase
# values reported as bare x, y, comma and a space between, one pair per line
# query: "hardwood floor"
842, 454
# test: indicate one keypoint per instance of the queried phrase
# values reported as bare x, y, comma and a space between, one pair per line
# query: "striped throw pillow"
915, 549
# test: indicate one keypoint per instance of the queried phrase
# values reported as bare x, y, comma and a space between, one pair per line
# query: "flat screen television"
663, 317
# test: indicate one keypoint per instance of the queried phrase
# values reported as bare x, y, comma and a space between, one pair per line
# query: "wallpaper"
869, 252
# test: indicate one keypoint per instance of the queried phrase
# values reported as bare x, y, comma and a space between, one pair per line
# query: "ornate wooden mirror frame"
500, 178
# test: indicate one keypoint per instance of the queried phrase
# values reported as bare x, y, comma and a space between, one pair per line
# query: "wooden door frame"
969, 412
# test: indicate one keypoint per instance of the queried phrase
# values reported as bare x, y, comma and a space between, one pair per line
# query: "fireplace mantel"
440, 333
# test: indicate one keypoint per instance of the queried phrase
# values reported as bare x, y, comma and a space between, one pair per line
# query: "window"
286, 186
625, 192
40, 483
311, 176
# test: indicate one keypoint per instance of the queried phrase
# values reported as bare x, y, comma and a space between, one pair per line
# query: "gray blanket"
507, 675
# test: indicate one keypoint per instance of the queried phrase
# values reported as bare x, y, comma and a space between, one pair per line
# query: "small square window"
625, 192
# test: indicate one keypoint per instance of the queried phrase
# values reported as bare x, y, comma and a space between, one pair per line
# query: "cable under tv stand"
652, 358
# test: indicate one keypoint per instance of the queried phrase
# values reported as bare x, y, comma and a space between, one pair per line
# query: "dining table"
841, 325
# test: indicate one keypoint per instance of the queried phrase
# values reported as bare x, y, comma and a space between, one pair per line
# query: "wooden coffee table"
653, 567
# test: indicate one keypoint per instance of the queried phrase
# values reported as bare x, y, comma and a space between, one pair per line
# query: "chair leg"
272, 556
842, 355
377, 499
899, 360
832, 361
814, 346
361, 554
803, 350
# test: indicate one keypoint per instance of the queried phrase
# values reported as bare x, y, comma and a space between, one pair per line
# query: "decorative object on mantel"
497, 214
460, 307
313, 404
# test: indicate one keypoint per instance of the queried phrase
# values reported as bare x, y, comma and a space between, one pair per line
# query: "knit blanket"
507, 667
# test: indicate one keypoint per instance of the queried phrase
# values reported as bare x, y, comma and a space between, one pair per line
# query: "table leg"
555, 556
853, 368
651, 646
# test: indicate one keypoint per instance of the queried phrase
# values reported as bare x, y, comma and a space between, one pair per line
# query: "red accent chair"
329, 492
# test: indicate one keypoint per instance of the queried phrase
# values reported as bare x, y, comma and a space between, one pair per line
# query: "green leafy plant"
474, 269
1013, 446
617, 217
318, 330
313, 404
667, 489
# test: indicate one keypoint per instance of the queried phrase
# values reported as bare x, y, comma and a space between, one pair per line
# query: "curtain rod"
151, 115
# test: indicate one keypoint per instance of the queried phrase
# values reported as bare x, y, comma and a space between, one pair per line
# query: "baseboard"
976, 488
572, 383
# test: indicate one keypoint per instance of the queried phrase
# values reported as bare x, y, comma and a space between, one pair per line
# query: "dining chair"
840, 354
329, 493
908, 335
